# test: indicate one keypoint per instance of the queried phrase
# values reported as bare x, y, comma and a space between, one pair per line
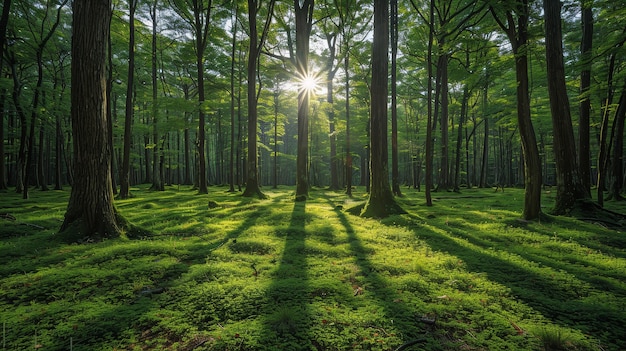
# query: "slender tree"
157, 150
395, 171
515, 25
381, 202
129, 110
4, 20
586, 43
256, 43
570, 186
197, 14
91, 200
304, 24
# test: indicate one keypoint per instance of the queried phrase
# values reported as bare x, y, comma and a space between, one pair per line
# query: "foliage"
255, 274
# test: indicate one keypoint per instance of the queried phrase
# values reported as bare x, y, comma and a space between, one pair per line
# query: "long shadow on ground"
554, 300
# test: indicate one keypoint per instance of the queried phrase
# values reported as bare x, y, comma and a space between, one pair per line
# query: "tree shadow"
560, 301
397, 315
287, 316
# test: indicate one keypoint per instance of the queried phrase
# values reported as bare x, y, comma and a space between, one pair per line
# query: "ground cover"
275, 274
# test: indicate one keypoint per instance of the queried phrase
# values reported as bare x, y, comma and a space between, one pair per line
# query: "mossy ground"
276, 274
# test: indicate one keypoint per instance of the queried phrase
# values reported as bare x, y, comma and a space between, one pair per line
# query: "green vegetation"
250, 274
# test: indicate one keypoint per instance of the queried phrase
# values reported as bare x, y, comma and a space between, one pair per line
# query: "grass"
275, 274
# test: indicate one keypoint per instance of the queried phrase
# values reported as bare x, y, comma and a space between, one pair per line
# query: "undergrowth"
276, 274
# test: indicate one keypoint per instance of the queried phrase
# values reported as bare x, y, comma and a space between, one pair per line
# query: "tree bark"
157, 169
569, 183
91, 200
395, 171
304, 22
517, 32
381, 202
256, 43
129, 111
586, 43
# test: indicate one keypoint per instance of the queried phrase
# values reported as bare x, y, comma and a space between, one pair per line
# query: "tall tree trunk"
58, 149
346, 67
330, 78
41, 172
304, 23
395, 181
570, 187
459, 136
201, 43
586, 43
517, 32
233, 161
4, 20
129, 111
3, 173
110, 107
617, 180
380, 203
252, 178
157, 169
91, 200
428, 181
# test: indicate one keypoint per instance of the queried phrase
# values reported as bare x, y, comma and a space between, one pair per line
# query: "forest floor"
274, 274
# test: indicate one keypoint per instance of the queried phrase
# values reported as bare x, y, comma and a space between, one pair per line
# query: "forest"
330, 175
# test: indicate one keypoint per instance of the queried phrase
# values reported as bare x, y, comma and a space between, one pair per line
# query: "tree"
252, 178
395, 183
381, 202
569, 184
4, 20
585, 100
129, 110
197, 14
516, 30
304, 23
157, 150
91, 200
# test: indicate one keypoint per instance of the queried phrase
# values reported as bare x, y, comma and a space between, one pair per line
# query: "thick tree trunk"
570, 187
381, 202
91, 200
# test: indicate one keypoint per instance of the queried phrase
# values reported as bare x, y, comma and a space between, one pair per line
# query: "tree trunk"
429, 124
381, 202
585, 101
233, 161
157, 169
41, 172
395, 171
617, 181
518, 36
346, 66
129, 111
3, 174
91, 201
570, 187
252, 181
304, 22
